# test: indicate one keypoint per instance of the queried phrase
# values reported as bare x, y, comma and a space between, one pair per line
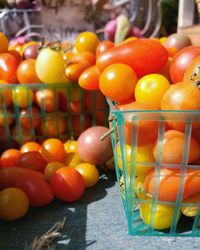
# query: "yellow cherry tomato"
163, 215
86, 41
151, 88
51, 168
50, 66
22, 96
163, 39
14, 204
89, 173
71, 146
72, 159
3, 43
144, 155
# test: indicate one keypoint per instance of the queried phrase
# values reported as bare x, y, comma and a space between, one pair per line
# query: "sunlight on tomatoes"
144, 155
103, 46
151, 88
67, 184
10, 158
114, 78
86, 41
30, 147
163, 215
89, 79
14, 204
53, 150
8, 67
26, 72
89, 173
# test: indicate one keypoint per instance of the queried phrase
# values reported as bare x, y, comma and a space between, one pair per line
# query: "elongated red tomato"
144, 56
38, 191
10, 176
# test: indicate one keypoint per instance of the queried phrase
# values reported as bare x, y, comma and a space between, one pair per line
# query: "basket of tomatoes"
153, 92
40, 96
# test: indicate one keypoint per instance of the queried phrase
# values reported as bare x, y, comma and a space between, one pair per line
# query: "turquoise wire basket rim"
36, 85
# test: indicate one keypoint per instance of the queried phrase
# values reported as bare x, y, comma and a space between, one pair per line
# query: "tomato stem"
110, 131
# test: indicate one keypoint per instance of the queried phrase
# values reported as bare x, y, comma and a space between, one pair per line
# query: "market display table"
97, 221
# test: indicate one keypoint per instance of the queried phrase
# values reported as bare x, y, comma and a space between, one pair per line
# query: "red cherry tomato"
38, 191
32, 160
8, 67
181, 62
67, 184
10, 158
30, 119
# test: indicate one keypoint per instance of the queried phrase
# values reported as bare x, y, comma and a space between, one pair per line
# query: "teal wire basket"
35, 112
134, 197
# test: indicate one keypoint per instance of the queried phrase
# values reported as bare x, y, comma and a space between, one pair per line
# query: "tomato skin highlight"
8, 67
145, 53
67, 184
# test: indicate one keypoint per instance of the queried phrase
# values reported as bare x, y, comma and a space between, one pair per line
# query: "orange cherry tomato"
10, 157
86, 41
26, 72
89, 79
53, 150
174, 142
73, 71
4, 122
3, 43
84, 56
51, 168
30, 147
45, 99
118, 82
192, 72
30, 119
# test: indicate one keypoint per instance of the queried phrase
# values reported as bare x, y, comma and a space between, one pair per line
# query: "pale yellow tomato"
144, 155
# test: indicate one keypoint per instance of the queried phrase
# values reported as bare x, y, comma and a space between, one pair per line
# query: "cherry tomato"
22, 96
86, 41
14, 204
9, 177
165, 69
84, 56
26, 72
38, 191
32, 160
89, 79
191, 211
114, 78
45, 99
71, 146
6, 94
181, 96
169, 183
144, 155
30, 119
54, 126
161, 211
181, 61
72, 159
89, 173
3, 43
22, 135
75, 107
30, 147
31, 51
8, 67
73, 71
174, 142
53, 150
50, 66
16, 54
10, 158
67, 184
151, 88
51, 168
104, 46
147, 130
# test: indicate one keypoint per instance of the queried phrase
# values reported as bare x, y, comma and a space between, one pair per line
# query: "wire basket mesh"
150, 212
